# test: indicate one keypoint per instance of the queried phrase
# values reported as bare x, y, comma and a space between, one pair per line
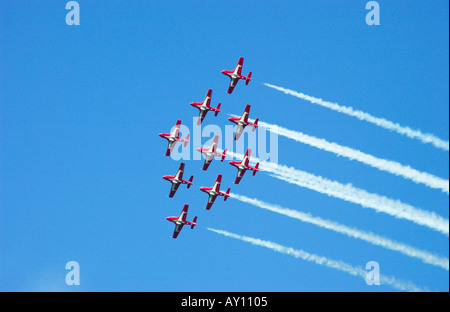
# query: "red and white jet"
205, 106
242, 122
214, 191
210, 152
180, 221
235, 75
243, 166
177, 179
174, 137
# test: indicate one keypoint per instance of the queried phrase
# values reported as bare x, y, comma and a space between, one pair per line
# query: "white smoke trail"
411, 133
355, 195
372, 238
330, 263
382, 164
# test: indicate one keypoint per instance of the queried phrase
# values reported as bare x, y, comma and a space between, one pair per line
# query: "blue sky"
81, 161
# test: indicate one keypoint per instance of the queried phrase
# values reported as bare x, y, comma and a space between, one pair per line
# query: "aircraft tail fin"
186, 141
224, 154
247, 80
190, 180
194, 223
227, 194
217, 110
255, 169
255, 125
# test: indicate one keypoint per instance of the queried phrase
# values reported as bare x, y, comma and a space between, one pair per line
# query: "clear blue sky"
81, 161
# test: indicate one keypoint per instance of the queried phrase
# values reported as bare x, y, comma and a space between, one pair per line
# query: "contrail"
411, 133
372, 238
390, 166
382, 164
352, 194
320, 260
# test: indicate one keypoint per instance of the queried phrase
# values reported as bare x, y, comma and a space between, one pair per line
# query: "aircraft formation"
211, 152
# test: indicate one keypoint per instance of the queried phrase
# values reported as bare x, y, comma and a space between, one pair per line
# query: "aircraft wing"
214, 143
176, 129
170, 147
239, 130
177, 230
201, 116
216, 186
183, 213
239, 176
211, 200
207, 99
207, 162
180, 171
239, 65
233, 84
173, 189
